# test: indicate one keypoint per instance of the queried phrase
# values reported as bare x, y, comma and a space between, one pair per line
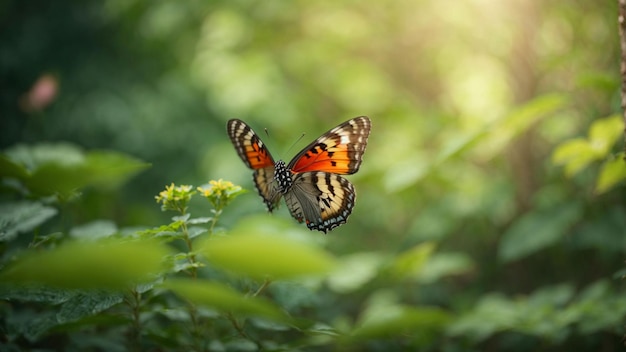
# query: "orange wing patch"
338, 151
320, 157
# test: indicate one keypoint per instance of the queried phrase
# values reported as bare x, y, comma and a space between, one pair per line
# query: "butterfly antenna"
297, 140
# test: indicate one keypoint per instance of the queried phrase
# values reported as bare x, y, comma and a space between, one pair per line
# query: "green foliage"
61, 169
577, 154
274, 257
21, 217
537, 230
88, 265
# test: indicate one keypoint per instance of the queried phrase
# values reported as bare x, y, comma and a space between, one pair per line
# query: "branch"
622, 39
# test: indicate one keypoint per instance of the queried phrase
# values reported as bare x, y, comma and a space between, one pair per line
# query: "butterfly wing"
321, 199
255, 155
340, 150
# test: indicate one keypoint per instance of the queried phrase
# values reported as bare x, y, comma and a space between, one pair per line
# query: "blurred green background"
471, 103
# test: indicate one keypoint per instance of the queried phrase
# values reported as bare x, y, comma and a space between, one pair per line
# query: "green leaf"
354, 271
21, 217
492, 314
529, 113
10, 168
87, 303
94, 230
537, 230
604, 133
611, 173
63, 168
104, 264
265, 255
410, 262
575, 154
383, 318
441, 265
224, 299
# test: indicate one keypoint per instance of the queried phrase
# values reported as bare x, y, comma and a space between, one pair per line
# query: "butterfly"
313, 190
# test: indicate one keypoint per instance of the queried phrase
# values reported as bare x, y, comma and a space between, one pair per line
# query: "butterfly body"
313, 190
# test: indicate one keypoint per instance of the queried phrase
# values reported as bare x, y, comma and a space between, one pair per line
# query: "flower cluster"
220, 192
175, 197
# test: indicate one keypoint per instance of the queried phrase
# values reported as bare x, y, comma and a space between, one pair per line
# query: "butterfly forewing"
338, 151
248, 145
255, 155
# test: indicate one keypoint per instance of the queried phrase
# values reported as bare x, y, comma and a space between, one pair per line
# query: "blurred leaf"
521, 119
493, 313
604, 133
354, 271
224, 298
395, 321
526, 115
575, 154
34, 156
410, 262
383, 318
441, 265
63, 168
537, 230
263, 256
601, 308
599, 80
22, 216
611, 173
10, 168
105, 264
94, 230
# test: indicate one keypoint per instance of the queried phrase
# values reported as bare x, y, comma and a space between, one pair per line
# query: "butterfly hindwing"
255, 155
321, 199
339, 151
267, 187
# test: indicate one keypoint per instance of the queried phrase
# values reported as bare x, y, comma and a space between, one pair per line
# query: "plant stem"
216, 216
134, 300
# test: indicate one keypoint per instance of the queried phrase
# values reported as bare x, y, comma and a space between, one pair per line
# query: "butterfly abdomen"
282, 175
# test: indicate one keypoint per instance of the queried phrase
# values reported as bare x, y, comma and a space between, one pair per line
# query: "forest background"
491, 209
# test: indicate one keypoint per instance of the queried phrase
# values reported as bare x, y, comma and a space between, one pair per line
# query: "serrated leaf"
612, 173
536, 230
21, 217
203, 220
224, 298
35, 293
104, 264
87, 303
266, 255
195, 231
